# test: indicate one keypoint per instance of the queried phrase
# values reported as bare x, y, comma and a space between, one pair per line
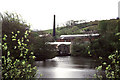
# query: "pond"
66, 67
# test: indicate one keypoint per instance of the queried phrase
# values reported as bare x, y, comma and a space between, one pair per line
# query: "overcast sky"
39, 13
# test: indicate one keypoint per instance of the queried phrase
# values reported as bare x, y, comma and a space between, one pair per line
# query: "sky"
39, 13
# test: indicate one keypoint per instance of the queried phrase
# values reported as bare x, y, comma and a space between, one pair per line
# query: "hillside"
86, 27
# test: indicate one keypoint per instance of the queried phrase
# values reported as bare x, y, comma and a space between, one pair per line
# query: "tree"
79, 48
11, 24
41, 49
107, 48
17, 59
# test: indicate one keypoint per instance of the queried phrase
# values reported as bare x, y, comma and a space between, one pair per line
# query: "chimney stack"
54, 26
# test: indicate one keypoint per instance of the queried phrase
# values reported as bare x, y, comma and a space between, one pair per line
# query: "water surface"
66, 67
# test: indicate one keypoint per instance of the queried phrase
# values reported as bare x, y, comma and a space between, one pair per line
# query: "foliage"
17, 57
75, 29
20, 67
107, 42
111, 67
41, 49
107, 48
102, 47
12, 22
79, 48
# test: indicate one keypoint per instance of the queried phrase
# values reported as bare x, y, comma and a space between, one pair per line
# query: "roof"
59, 43
78, 35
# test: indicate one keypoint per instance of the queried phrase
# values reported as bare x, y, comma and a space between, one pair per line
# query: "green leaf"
4, 38
104, 63
23, 62
13, 39
33, 57
110, 56
12, 32
100, 57
118, 62
99, 67
26, 32
21, 54
106, 68
8, 53
32, 53
116, 51
18, 32
5, 47
5, 35
5, 43
118, 33
15, 34
29, 65
27, 40
88, 52
15, 47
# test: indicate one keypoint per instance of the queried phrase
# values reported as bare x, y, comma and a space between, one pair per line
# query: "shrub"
12, 22
20, 66
43, 50
79, 48
107, 48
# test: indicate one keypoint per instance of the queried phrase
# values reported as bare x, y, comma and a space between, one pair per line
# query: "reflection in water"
66, 67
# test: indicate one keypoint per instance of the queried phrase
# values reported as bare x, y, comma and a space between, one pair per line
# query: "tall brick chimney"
54, 26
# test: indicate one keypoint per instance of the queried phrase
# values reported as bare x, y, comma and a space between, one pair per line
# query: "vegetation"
107, 48
21, 46
20, 67
79, 48
17, 57
41, 49
75, 29
108, 41
11, 25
